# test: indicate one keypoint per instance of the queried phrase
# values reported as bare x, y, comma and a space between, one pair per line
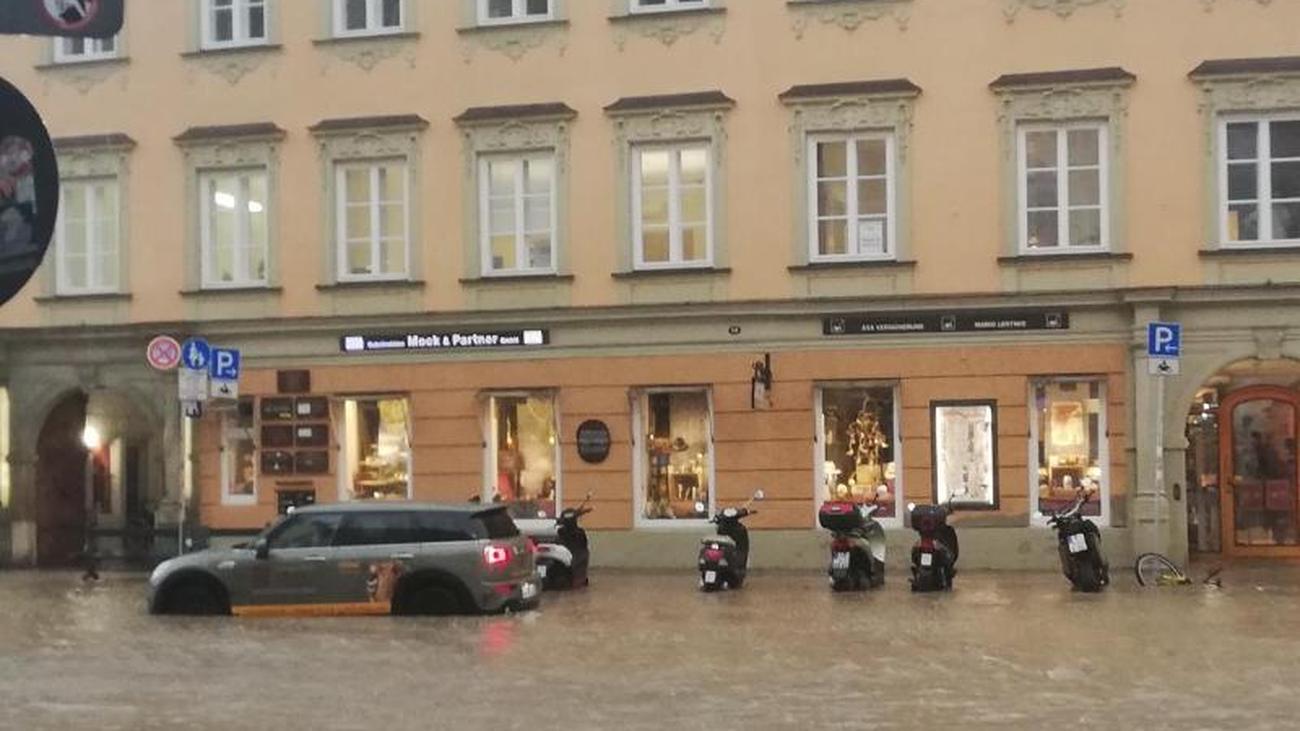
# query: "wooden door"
1258, 472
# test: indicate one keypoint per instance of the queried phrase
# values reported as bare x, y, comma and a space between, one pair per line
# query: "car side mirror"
261, 548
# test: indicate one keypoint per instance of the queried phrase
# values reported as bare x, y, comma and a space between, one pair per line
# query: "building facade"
664, 253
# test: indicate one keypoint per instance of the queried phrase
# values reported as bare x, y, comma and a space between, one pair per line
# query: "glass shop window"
523, 462
678, 430
1069, 430
858, 446
376, 449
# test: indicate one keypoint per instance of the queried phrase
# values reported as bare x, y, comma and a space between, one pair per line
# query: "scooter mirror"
699, 507
911, 507
758, 494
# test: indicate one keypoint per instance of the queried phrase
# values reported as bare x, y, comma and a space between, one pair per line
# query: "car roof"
384, 506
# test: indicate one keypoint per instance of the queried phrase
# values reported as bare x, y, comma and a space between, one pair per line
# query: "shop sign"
956, 321
593, 441
451, 340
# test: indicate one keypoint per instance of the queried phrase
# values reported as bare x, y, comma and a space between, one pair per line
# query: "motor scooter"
857, 543
1079, 544
724, 558
563, 556
934, 555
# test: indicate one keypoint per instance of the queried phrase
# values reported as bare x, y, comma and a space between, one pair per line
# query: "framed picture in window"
277, 436
277, 462
311, 435
311, 407
964, 451
312, 462
277, 409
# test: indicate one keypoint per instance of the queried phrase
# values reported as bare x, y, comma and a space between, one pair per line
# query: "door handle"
315, 559
403, 556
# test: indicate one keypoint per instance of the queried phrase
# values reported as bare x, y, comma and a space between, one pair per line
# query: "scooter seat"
720, 540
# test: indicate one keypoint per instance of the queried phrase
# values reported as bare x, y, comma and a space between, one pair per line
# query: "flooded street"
647, 651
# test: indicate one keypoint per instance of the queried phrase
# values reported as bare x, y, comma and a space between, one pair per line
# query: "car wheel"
434, 600
193, 598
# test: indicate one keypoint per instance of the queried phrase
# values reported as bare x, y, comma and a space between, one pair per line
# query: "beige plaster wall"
757, 48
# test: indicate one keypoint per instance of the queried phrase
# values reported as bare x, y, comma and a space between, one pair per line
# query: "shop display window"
523, 464
965, 453
376, 459
678, 458
1069, 435
858, 446
239, 456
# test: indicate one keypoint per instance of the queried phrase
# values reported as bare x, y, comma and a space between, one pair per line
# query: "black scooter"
934, 556
857, 544
724, 558
1079, 543
562, 557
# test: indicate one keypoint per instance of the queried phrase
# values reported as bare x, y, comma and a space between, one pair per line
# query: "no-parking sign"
163, 353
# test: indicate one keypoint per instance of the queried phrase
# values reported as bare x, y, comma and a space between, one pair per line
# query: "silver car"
360, 558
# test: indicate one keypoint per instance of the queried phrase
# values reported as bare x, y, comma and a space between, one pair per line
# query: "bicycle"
1154, 570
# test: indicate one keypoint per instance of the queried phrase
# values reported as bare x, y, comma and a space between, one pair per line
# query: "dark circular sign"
71, 14
29, 190
593, 441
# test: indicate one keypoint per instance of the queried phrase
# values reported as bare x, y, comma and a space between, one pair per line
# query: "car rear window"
495, 524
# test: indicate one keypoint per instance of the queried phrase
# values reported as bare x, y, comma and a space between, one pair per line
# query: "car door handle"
316, 559
403, 555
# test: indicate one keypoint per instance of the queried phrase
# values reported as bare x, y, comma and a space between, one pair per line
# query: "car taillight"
840, 544
496, 556
713, 553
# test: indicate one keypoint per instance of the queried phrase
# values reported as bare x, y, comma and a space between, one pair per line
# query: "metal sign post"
1164, 347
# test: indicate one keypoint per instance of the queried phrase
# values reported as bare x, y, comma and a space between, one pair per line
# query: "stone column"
22, 506
1150, 513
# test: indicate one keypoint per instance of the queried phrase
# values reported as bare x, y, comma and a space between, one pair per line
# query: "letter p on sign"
1164, 339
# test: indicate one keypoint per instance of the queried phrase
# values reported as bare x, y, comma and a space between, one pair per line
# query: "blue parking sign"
1164, 339
195, 354
225, 364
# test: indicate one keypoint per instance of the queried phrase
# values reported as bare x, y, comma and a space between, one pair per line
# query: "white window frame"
242, 265
1103, 447
343, 434
640, 407
1263, 161
1063, 168
240, 11
94, 50
374, 14
674, 206
231, 431
521, 238
518, 15
814, 217
819, 446
669, 6
490, 452
341, 219
93, 245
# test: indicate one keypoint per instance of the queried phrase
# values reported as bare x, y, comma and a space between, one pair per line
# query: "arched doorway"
1242, 467
61, 483
94, 473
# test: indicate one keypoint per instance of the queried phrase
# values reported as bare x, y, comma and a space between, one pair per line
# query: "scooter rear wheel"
1086, 577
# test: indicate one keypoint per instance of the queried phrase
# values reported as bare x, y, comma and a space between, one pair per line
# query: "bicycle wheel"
1152, 569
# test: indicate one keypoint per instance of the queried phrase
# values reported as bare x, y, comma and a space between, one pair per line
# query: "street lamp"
91, 439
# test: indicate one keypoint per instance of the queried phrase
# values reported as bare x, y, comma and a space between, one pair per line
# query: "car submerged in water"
360, 558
